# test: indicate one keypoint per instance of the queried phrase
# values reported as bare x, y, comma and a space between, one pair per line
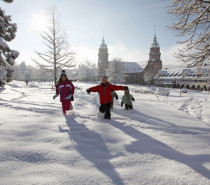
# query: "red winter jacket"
65, 88
105, 91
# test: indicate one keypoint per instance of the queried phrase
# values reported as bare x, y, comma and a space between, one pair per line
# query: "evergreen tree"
7, 56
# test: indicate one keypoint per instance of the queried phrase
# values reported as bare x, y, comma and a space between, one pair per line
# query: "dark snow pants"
105, 108
128, 107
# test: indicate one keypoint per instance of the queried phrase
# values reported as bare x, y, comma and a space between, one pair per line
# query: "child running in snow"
66, 90
104, 90
127, 100
114, 95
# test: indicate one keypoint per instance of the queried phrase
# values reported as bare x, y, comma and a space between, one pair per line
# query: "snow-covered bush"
153, 89
87, 71
184, 90
162, 91
115, 72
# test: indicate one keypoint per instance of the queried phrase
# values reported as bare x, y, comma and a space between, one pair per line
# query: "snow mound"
184, 90
33, 86
14, 86
162, 91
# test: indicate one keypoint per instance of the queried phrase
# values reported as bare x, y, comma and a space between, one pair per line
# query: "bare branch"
192, 20
57, 54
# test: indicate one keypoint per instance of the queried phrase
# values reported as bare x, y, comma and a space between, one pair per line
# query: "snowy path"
155, 143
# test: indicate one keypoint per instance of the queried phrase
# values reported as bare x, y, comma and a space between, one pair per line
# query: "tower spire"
155, 30
155, 43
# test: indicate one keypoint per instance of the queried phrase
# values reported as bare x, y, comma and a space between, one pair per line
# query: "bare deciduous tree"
87, 71
148, 74
115, 71
57, 54
191, 20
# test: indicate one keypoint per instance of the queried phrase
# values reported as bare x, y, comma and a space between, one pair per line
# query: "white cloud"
167, 55
119, 50
85, 52
38, 21
25, 57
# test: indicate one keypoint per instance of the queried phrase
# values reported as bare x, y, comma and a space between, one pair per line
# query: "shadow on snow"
92, 147
147, 144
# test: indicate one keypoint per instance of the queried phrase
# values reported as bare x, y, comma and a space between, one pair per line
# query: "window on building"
198, 75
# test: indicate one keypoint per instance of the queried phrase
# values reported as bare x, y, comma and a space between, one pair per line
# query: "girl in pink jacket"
66, 90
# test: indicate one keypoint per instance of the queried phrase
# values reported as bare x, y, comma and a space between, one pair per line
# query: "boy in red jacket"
66, 90
104, 90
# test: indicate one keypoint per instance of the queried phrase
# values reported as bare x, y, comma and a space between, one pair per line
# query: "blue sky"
128, 27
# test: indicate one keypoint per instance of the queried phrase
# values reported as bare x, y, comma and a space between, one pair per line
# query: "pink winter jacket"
65, 88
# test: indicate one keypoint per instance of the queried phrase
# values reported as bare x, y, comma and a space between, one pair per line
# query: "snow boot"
71, 107
107, 116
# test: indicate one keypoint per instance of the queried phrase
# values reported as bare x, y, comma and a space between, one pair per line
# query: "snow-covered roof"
180, 72
132, 67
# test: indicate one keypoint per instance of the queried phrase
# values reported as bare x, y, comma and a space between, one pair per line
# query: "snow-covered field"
164, 140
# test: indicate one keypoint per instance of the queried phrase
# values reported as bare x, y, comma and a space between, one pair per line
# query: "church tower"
103, 62
154, 55
154, 64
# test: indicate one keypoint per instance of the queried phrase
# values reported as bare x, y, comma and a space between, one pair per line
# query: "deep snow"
164, 140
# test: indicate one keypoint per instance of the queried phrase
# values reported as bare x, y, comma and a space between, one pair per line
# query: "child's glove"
133, 99
68, 97
55, 96
116, 97
88, 91
121, 104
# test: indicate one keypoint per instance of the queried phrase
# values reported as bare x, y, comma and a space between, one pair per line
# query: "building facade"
190, 78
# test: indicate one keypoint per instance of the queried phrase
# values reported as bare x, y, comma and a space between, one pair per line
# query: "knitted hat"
63, 73
126, 88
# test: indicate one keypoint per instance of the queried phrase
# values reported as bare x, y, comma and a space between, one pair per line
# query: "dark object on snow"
88, 91
121, 104
73, 80
133, 99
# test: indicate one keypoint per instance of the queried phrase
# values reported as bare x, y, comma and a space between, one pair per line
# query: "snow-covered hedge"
162, 91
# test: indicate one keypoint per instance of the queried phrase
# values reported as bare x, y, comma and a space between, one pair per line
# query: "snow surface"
164, 140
